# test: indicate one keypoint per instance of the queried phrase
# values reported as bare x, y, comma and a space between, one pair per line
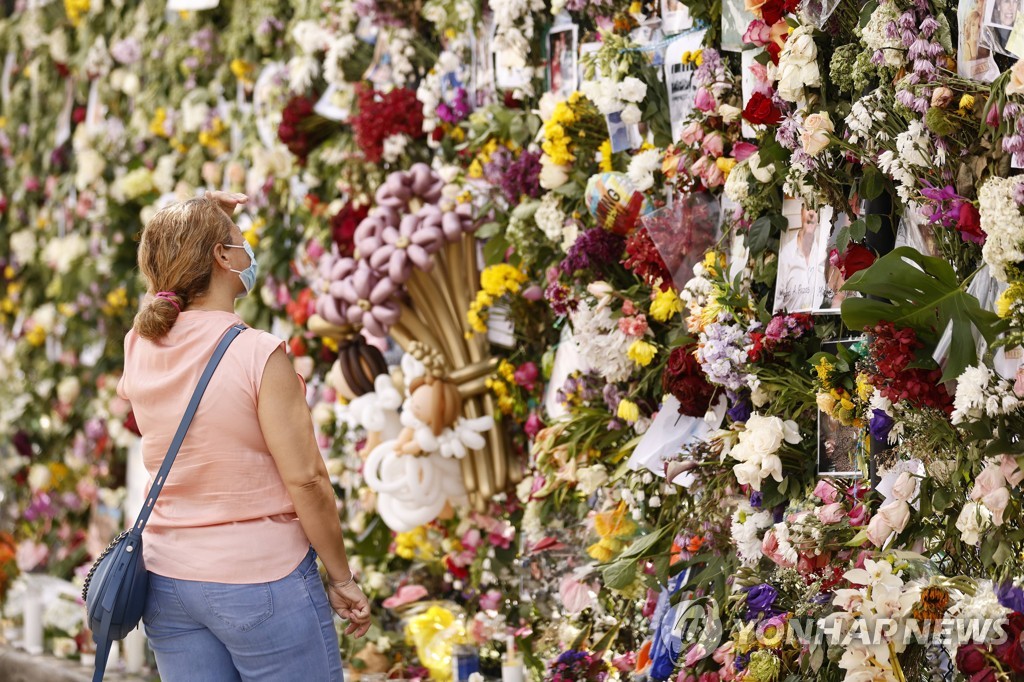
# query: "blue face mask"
248, 276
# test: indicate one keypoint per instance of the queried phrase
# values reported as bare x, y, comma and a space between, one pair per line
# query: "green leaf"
619, 575
940, 499
874, 222
923, 293
641, 546
494, 249
843, 237
757, 237
487, 230
872, 184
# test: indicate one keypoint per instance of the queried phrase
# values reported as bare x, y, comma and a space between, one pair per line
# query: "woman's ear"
220, 257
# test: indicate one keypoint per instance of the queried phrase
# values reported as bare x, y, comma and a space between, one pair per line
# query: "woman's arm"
288, 431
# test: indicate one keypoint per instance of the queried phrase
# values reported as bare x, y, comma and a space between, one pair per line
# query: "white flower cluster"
864, 118
981, 607
513, 29
551, 221
600, 342
756, 450
737, 185
748, 525
429, 92
62, 252
642, 168
610, 96
876, 37
798, 65
882, 596
1002, 221
980, 392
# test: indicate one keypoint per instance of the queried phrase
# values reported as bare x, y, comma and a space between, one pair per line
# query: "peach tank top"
224, 514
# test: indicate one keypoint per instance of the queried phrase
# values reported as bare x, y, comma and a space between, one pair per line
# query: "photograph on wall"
562, 69
974, 58
839, 447
1000, 17
829, 295
682, 92
735, 19
482, 70
748, 81
624, 136
802, 255
675, 17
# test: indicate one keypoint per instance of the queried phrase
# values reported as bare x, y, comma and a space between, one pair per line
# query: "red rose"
78, 115
773, 11
685, 380
970, 224
970, 659
774, 50
761, 111
855, 259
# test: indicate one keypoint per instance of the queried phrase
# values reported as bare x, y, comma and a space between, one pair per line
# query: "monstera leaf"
923, 293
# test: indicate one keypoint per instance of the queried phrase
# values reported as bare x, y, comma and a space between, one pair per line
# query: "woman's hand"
351, 604
227, 200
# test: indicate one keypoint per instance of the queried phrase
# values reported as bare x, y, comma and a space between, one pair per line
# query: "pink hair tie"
169, 296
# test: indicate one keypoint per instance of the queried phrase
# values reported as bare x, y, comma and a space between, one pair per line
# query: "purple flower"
756, 499
759, 601
597, 249
880, 425
929, 26
1011, 596
740, 410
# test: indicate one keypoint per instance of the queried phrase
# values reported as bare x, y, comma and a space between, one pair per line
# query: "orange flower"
643, 657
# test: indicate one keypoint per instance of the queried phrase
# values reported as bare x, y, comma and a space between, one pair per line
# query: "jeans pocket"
313, 570
242, 607
152, 608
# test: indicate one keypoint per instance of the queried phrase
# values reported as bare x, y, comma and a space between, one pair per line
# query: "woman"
235, 592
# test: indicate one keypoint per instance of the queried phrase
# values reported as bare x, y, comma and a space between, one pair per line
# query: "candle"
32, 637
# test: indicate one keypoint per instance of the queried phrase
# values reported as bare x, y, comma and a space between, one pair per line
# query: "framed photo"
482, 70
803, 252
840, 447
682, 93
973, 57
828, 295
675, 17
623, 135
562, 59
1001, 14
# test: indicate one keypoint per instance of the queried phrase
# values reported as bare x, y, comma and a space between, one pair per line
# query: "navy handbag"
117, 585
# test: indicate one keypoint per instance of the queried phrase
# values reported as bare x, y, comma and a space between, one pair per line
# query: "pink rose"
896, 515
989, 480
758, 33
1011, 471
576, 596
696, 654
905, 488
490, 600
742, 151
858, 515
878, 530
760, 72
830, 513
699, 167
705, 100
712, 145
533, 293
770, 548
714, 176
826, 492
633, 326
996, 502
628, 307
526, 375
692, 133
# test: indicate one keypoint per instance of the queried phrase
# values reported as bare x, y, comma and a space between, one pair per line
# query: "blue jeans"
266, 632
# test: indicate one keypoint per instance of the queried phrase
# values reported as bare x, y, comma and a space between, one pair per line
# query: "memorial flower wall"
748, 278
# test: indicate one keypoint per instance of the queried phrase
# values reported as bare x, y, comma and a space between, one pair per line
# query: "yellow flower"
75, 9
600, 551
641, 353
457, 134
476, 169
864, 387
506, 404
465, 197
118, 298
687, 55
666, 304
507, 371
698, 57
156, 126
966, 103
725, 164
498, 280
824, 368
606, 156
627, 410
636, 7
36, 336
251, 236
242, 70
330, 343
711, 262
1004, 303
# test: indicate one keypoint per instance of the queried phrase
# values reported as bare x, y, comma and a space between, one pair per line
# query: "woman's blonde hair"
176, 255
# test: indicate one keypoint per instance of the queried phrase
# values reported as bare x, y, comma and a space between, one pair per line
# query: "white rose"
729, 113
631, 115
763, 435
23, 246
815, 136
974, 518
552, 176
800, 47
737, 186
748, 473
131, 85
632, 90
771, 465
905, 488
68, 390
90, 168
760, 173
323, 414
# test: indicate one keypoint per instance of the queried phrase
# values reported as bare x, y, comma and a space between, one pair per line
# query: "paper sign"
668, 433
682, 93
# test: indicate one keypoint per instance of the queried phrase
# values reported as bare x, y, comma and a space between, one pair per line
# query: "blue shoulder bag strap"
186, 421
103, 638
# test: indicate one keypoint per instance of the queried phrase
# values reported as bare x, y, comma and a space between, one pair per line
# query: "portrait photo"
828, 295
917, 232
839, 445
802, 255
1001, 14
974, 58
562, 49
675, 17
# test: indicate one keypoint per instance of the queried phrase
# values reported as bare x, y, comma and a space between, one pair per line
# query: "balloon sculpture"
413, 277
